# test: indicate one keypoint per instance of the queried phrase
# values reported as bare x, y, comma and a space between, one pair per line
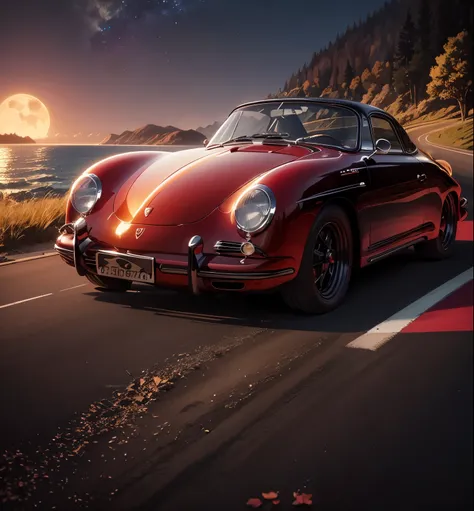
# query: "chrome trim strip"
463, 202
173, 270
123, 254
333, 191
245, 276
393, 250
233, 247
62, 250
227, 275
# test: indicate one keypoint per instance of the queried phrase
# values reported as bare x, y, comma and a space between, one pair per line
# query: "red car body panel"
194, 192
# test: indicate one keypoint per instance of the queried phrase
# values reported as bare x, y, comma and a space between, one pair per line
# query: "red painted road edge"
452, 314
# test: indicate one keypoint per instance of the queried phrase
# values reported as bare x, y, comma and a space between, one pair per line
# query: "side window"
381, 128
410, 147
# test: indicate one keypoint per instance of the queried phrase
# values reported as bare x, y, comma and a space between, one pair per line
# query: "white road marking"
23, 301
385, 331
73, 287
426, 135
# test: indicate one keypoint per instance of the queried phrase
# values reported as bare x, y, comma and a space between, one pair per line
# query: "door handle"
421, 177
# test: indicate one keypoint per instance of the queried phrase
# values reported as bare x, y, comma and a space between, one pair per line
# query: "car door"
397, 192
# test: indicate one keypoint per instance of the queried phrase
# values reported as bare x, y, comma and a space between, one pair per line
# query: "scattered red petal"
271, 495
302, 499
275, 502
254, 503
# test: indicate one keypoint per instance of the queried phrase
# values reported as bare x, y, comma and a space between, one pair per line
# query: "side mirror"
205, 142
382, 146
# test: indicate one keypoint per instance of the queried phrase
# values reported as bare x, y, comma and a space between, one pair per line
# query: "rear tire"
326, 266
442, 247
108, 283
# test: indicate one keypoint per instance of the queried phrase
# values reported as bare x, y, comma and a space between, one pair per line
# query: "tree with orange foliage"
451, 78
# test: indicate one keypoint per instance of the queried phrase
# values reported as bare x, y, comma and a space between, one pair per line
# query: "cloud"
98, 12
105, 16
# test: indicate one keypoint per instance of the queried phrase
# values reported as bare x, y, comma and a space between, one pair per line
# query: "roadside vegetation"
460, 135
412, 58
30, 221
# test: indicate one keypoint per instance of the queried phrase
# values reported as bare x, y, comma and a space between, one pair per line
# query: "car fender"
113, 173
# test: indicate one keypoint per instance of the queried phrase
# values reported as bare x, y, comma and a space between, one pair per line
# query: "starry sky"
103, 66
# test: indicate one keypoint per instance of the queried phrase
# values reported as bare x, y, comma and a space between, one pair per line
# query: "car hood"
186, 186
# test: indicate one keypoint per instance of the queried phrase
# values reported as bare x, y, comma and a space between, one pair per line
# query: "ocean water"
34, 168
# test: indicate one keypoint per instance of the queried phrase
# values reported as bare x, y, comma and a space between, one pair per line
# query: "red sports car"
289, 194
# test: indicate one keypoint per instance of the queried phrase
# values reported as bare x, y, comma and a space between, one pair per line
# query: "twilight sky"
108, 65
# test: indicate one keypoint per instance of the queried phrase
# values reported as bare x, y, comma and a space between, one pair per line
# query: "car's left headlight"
85, 193
255, 209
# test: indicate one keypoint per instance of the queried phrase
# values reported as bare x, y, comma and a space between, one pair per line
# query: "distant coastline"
13, 138
156, 135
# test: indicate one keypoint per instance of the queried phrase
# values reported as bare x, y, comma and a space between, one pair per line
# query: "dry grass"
460, 135
30, 221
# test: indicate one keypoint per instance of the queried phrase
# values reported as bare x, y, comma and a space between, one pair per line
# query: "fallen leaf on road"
302, 499
157, 380
142, 381
271, 495
254, 503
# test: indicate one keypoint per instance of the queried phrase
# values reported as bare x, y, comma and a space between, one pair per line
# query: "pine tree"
348, 73
403, 57
423, 57
406, 43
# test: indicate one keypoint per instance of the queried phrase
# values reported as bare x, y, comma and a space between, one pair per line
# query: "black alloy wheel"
447, 228
326, 266
330, 261
443, 245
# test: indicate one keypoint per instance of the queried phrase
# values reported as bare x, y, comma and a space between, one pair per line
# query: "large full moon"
24, 115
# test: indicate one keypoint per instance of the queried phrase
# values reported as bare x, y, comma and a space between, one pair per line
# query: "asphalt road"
275, 401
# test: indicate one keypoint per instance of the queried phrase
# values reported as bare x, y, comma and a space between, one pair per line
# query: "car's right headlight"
255, 209
86, 191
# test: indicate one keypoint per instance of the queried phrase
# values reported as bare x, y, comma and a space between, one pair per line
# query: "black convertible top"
355, 105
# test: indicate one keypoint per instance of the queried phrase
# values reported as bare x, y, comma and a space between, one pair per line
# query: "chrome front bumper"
196, 269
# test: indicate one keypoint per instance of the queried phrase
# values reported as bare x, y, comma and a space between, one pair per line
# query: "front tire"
442, 247
108, 283
326, 266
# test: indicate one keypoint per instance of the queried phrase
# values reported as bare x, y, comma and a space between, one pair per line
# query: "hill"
12, 138
155, 135
210, 130
386, 60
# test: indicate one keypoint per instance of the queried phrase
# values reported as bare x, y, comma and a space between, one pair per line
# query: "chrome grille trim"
233, 247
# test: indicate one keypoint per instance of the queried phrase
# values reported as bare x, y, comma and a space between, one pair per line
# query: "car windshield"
311, 122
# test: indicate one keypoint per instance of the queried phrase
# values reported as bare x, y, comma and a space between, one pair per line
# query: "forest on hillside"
410, 57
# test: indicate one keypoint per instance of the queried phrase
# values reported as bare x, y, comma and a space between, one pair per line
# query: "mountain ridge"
152, 134
13, 138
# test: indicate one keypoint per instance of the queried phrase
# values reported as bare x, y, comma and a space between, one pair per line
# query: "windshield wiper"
249, 138
270, 135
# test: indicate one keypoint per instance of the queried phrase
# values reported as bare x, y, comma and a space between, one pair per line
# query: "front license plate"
125, 266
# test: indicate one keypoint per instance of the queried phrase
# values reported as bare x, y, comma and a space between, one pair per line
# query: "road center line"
425, 136
23, 301
72, 287
385, 331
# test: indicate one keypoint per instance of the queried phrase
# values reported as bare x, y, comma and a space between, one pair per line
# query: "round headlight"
255, 209
86, 192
